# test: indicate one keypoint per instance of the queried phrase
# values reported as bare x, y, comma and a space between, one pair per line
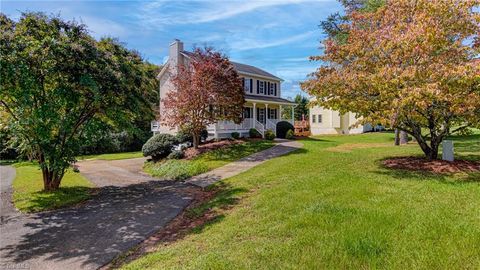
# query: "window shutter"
275, 88
258, 86
243, 83
265, 86
268, 88
251, 85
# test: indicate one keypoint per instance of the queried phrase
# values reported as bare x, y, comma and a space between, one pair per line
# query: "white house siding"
333, 122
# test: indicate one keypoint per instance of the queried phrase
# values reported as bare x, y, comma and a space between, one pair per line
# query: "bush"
254, 133
203, 135
290, 135
176, 154
235, 135
282, 128
159, 146
269, 135
184, 136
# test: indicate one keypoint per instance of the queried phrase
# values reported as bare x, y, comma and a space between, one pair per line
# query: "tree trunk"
403, 137
397, 137
51, 179
196, 140
431, 152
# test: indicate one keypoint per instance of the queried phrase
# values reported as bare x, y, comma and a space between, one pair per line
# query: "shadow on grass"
50, 200
404, 174
225, 197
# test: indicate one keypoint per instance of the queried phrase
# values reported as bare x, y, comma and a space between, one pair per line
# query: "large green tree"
60, 87
300, 110
409, 65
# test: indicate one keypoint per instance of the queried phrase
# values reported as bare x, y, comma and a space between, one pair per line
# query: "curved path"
283, 147
129, 207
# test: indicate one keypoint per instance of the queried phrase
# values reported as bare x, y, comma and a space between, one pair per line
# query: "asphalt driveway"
129, 207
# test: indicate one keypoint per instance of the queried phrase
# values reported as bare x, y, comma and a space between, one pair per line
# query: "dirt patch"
209, 146
175, 230
434, 166
348, 147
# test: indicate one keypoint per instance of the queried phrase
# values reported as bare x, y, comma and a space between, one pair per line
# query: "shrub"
290, 135
159, 146
235, 135
184, 136
204, 135
269, 135
282, 128
254, 133
176, 154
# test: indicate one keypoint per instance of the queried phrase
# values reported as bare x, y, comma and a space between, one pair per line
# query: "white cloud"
160, 13
103, 27
256, 43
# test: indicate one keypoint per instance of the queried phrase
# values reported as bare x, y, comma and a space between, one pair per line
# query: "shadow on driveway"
90, 235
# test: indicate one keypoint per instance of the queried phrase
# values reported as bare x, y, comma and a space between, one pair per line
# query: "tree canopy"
409, 65
207, 90
60, 86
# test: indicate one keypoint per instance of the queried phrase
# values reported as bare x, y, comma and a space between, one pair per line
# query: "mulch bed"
433, 166
209, 146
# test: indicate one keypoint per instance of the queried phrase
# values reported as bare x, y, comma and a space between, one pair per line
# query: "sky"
275, 35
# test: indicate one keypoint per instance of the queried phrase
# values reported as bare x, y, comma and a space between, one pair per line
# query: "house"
263, 101
325, 121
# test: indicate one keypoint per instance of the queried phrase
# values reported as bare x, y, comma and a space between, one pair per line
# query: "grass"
28, 185
322, 209
112, 156
183, 169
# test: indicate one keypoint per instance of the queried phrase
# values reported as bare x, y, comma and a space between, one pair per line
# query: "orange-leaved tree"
409, 65
207, 89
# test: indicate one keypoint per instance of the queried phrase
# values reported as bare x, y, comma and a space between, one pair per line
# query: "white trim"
163, 70
270, 102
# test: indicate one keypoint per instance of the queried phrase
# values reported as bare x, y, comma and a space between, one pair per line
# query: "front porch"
259, 115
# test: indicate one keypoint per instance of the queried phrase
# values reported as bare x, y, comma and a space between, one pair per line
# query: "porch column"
266, 112
293, 115
280, 112
254, 114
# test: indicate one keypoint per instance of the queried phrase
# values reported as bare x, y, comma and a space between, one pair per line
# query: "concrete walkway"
283, 147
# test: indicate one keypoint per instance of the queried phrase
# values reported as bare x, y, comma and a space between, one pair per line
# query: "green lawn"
29, 197
328, 206
183, 169
113, 156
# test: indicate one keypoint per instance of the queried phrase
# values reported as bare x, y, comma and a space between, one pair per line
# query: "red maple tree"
208, 89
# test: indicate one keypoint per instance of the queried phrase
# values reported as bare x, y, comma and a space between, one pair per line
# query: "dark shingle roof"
242, 68
253, 70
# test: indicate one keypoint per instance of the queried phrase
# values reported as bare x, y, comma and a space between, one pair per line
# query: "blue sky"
275, 35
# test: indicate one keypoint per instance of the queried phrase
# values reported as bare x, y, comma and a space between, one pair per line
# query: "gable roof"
244, 69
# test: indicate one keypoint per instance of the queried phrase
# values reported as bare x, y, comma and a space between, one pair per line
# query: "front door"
261, 115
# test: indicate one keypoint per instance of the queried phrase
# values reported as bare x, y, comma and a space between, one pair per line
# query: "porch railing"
272, 125
260, 128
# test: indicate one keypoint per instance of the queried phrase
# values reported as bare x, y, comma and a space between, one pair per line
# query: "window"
314, 118
247, 112
272, 113
319, 118
247, 84
261, 87
272, 89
